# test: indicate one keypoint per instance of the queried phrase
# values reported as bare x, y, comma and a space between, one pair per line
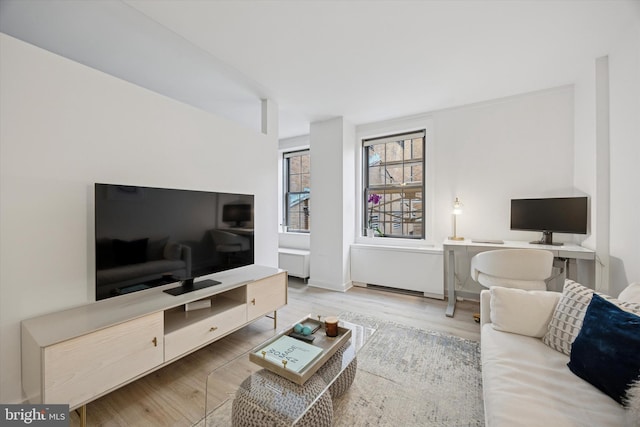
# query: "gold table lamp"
457, 210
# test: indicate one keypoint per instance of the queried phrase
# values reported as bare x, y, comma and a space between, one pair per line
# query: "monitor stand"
547, 239
189, 286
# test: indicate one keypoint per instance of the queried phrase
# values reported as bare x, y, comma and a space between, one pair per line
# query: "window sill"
424, 248
390, 242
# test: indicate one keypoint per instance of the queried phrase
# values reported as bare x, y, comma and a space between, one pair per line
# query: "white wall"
66, 126
624, 87
616, 241
489, 153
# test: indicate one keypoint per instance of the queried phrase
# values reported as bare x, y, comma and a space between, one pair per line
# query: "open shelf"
177, 318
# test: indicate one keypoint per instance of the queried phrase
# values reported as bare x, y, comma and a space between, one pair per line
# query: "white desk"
453, 248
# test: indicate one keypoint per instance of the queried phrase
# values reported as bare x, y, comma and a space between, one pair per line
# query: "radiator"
414, 269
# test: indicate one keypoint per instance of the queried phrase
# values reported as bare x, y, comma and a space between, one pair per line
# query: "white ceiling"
363, 60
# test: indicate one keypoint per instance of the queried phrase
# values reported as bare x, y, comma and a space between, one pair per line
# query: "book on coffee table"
298, 354
322, 349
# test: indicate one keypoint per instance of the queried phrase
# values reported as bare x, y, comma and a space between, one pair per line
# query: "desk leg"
449, 278
571, 270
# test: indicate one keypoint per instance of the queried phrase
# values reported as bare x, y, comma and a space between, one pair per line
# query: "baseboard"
395, 290
329, 286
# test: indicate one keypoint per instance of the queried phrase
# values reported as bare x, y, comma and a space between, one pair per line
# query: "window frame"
387, 134
286, 187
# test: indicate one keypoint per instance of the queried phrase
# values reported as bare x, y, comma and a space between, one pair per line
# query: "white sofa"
526, 382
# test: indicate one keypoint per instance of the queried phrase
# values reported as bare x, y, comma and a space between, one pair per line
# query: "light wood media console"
77, 355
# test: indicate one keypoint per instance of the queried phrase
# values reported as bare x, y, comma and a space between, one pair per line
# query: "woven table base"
256, 395
329, 370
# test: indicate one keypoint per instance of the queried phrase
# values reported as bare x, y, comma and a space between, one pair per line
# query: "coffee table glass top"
284, 400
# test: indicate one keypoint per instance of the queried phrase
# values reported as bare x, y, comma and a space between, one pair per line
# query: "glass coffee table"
243, 393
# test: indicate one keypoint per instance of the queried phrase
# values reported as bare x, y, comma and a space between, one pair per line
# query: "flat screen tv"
147, 237
550, 215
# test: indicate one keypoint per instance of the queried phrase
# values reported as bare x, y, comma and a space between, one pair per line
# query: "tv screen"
147, 237
549, 215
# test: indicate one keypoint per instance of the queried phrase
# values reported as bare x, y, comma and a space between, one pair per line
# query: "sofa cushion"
605, 352
522, 312
631, 293
526, 383
567, 317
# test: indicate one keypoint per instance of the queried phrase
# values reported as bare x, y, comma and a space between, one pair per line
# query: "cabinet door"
266, 295
77, 370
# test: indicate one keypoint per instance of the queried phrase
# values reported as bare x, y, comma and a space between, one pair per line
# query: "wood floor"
175, 394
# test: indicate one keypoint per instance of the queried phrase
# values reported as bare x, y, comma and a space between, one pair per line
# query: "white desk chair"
513, 268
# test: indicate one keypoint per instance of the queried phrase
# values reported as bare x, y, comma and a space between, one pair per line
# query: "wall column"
332, 203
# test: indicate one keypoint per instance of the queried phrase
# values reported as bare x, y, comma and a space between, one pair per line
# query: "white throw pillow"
522, 312
631, 293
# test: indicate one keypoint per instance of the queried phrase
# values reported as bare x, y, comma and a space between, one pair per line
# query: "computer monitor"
550, 215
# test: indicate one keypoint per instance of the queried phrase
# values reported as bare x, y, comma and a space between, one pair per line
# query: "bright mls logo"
34, 415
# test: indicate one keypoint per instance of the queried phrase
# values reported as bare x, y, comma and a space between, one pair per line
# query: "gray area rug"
406, 377
412, 377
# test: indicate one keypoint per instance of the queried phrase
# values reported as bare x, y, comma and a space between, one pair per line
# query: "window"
297, 182
394, 185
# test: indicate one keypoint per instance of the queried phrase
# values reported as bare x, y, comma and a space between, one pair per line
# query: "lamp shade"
457, 207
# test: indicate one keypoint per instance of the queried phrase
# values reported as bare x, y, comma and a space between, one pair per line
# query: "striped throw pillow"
568, 315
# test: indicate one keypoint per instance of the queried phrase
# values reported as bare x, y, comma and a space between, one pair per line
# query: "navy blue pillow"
605, 352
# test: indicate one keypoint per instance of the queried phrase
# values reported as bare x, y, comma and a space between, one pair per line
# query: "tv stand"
189, 286
76, 355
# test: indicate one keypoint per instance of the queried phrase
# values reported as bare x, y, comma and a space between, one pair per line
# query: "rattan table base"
255, 397
330, 369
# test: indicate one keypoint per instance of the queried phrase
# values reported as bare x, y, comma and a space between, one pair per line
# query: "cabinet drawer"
79, 369
193, 336
266, 295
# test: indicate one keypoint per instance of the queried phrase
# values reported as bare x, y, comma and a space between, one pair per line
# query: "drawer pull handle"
155, 341
253, 301
213, 328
